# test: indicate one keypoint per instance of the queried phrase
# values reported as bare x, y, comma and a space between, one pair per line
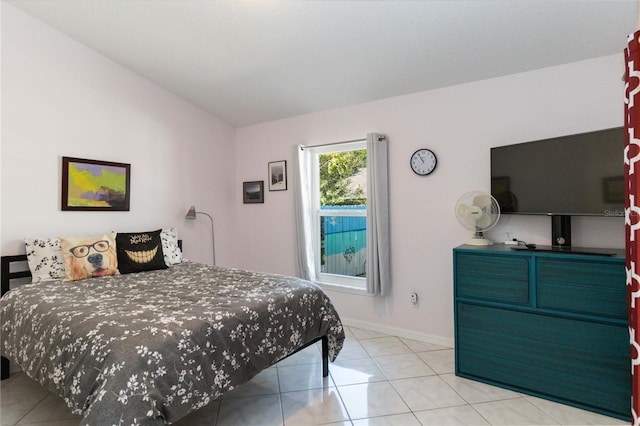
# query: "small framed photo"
278, 176
93, 185
253, 192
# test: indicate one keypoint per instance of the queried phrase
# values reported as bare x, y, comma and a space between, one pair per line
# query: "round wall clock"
423, 162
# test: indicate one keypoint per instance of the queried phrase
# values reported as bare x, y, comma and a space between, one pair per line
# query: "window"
339, 208
342, 214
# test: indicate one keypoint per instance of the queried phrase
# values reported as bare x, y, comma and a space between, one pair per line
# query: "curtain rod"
380, 137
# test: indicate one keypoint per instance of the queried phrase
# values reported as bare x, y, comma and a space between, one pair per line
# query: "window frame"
345, 282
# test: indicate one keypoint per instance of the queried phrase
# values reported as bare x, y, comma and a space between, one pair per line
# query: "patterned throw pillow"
172, 253
45, 259
140, 251
86, 257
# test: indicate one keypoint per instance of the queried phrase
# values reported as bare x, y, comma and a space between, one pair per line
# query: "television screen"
579, 174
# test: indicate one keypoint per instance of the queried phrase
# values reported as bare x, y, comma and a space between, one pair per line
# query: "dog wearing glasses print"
91, 257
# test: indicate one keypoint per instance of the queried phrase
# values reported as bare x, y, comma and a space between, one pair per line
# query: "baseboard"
400, 332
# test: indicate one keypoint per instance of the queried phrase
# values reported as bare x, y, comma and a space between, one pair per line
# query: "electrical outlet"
414, 298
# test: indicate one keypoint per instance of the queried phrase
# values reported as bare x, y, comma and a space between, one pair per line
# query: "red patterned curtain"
632, 220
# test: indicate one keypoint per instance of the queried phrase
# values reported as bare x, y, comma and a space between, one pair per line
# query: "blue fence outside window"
344, 243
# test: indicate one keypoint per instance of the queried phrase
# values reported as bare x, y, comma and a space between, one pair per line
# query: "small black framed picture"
253, 192
278, 176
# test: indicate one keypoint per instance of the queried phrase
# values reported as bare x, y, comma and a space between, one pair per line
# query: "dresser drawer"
587, 287
497, 278
571, 360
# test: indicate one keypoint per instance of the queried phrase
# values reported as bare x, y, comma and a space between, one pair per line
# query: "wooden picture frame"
253, 192
278, 176
94, 185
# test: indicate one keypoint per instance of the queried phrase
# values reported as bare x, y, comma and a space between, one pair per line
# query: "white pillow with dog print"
87, 257
45, 259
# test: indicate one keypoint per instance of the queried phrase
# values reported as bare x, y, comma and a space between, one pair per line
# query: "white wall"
459, 124
60, 98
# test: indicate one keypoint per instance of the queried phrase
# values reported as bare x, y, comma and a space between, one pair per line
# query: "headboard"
7, 274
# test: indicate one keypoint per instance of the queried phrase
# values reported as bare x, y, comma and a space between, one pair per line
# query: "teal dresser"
549, 324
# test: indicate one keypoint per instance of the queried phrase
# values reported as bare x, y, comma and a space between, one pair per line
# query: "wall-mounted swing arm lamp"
191, 214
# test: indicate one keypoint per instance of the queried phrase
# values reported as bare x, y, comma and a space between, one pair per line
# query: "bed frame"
5, 283
7, 275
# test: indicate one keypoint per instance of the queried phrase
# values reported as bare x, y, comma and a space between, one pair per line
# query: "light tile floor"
377, 380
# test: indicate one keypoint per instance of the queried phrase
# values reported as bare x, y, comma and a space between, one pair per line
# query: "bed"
150, 347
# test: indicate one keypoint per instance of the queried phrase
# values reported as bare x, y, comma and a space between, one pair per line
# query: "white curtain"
378, 240
304, 218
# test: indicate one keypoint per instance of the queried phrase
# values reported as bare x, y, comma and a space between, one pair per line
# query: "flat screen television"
581, 174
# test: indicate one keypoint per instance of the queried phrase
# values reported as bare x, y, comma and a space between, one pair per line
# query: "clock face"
423, 162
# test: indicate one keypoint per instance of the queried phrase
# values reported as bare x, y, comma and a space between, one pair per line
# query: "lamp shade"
191, 214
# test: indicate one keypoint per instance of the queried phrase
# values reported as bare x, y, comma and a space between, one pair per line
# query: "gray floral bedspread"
150, 347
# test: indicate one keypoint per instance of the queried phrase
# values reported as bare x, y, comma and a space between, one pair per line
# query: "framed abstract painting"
93, 185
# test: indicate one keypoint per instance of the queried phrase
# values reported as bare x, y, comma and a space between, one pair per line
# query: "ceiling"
250, 62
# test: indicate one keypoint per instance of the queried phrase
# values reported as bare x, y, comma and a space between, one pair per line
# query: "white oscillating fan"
479, 212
